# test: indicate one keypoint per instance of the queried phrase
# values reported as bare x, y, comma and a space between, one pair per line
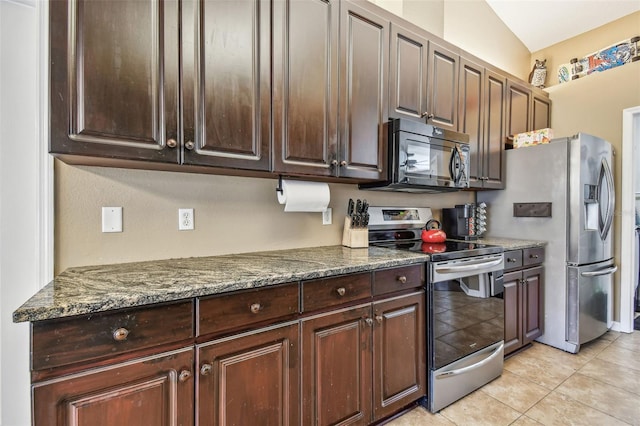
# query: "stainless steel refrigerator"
563, 193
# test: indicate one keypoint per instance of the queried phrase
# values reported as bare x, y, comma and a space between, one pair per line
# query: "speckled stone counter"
510, 243
91, 289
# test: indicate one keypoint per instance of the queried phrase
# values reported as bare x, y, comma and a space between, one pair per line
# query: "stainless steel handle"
496, 352
402, 279
255, 308
172, 143
341, 291
605, 173
600, 272
469, 266
205, 369
189, 145
184, 375
120, 334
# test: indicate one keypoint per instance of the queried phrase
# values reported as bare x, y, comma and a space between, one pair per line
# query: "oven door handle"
469, 266
496, 352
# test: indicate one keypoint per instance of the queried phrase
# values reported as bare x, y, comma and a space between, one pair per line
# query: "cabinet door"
518, 108
471, 105
408, 74
305, 86
336, 368
227, 83
399, 353
541, 110
364, 51
157, 390
532, 304
494, 130
443, 86
114, 79
251, 379
512, 312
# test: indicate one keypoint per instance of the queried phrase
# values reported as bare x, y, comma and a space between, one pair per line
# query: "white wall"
19, 172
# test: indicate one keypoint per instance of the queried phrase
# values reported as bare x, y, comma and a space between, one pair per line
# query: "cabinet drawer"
532, 256
512, 259
396, 279
318, 294
235, 310
91, 337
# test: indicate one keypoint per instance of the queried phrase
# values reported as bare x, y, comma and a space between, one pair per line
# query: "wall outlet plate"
326, 216
185, 219
112, 219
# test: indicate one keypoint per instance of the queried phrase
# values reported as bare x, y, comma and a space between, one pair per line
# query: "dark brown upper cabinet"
518, 108
364, 56
227, 83
541, 110
408, 74
114, 80
305, 86
443, 86
482, 116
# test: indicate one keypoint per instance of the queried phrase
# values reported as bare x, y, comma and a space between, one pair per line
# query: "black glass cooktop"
450, 249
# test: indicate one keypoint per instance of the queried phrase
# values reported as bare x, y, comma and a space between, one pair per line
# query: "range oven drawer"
398, 279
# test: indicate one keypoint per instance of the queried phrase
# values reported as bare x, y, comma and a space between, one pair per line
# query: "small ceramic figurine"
538, 73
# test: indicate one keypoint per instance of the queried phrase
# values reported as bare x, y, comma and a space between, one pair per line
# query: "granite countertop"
90, 289
511, 243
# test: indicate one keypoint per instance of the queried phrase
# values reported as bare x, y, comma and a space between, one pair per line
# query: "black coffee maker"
459, 223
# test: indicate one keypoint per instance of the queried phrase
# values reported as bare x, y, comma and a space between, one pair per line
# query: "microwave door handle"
600, 272
454, 163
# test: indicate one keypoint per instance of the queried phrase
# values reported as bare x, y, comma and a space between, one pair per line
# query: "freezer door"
591, 200
589, 301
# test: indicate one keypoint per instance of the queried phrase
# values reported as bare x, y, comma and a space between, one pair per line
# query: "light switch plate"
326, 216
112, 219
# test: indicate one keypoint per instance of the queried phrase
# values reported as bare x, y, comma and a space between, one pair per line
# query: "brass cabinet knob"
120, 334
402, 279
172, 143
184, 375
341, 291
255, 308
205, 369
343, 163
189, 145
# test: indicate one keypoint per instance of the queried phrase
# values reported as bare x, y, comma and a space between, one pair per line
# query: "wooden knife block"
354, 237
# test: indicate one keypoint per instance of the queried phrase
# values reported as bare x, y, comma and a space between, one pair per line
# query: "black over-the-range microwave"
424, 158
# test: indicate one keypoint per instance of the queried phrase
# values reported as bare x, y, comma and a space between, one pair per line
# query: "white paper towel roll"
300, 196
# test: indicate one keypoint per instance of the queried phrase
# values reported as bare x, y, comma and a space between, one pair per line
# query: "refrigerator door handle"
605, 174
607, 271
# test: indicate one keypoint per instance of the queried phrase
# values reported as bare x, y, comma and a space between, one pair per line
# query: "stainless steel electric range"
465, 309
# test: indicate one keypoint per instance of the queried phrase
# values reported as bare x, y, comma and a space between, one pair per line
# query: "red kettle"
432, 232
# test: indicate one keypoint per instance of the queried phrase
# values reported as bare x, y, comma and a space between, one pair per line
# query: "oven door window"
465, 319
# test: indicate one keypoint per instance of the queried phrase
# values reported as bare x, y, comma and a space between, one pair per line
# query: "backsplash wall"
232, 215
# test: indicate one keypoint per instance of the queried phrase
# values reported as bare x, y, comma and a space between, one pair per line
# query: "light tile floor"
599, 386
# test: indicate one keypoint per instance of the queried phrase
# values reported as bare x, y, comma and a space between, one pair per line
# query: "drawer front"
236, 310
533, 256
512, 259
397, 279
319, 294
91, 337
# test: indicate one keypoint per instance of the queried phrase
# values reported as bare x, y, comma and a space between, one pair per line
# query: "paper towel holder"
279, 188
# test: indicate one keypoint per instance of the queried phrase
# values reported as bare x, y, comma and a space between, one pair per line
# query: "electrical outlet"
326, 216
185, 219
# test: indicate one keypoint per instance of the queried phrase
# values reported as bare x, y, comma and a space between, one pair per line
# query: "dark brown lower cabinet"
157, 390
523, 307
250, 379
365, 362
399, 357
